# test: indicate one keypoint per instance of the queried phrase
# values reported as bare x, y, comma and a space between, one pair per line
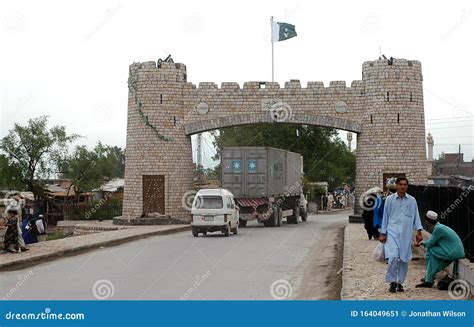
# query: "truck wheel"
280, 216
227, 231
296, 214
273, 221
304, 215
195, 232
242, 223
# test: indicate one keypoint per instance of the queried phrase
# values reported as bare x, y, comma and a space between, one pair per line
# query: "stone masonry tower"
158, 159
385, 110
393, 129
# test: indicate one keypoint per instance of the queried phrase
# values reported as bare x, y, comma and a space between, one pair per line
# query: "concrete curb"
41, 258
344, 268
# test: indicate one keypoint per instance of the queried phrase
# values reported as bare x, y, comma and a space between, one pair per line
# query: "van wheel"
235, 230
242, 223
280, 216
195, 232
227, 231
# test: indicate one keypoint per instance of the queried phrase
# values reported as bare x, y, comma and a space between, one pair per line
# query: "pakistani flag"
282, 31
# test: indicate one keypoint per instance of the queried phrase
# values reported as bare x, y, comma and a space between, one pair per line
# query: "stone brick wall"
385, 109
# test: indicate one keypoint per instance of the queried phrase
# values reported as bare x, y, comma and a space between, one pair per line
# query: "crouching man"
443, 247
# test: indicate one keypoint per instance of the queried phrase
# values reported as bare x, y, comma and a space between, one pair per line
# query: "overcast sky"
69, 60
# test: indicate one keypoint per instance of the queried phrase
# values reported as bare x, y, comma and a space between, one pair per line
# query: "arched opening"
326, 147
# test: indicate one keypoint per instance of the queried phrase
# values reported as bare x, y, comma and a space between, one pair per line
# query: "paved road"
244, 266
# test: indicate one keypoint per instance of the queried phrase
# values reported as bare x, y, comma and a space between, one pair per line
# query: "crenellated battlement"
265, 87
402, 69
382, 69
160, 67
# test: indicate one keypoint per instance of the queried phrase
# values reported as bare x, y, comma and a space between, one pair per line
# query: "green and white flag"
282, 31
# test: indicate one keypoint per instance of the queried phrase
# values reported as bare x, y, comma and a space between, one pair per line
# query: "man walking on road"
400, 217
330, 201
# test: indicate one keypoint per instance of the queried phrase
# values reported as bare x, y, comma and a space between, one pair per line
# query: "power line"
451, 137
456, 118
451, 127
446, 101
449, 122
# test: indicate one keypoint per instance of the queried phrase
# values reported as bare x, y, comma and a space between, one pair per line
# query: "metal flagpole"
271, 37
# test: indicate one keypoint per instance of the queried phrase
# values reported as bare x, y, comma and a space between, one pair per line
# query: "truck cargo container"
266, 183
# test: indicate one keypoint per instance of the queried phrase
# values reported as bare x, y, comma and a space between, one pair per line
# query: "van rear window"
209, 202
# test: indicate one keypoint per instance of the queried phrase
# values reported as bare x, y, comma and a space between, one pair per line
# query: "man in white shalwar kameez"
400, 218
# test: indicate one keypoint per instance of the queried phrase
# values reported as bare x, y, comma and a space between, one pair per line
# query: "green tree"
325, 156
116, 155
10, 175
34, 149
88, 169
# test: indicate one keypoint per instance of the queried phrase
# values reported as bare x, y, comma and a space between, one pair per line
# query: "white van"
214, 210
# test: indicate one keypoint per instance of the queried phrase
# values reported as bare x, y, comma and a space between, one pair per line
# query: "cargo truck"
266, 184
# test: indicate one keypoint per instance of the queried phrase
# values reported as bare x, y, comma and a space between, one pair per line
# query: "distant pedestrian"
41, 225
343, 201
400, 217
10, 239
325, 202
18, 202
29, 229
330, 201
442, 248
368, 216
378, 215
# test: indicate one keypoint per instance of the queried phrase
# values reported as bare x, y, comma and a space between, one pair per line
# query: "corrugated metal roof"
112, 186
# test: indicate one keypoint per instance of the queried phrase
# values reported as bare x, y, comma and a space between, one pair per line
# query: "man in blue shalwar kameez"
400, 217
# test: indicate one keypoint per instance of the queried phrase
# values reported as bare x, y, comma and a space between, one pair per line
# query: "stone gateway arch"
384, 108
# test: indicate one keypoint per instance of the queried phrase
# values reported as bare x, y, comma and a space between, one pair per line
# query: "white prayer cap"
431, 215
